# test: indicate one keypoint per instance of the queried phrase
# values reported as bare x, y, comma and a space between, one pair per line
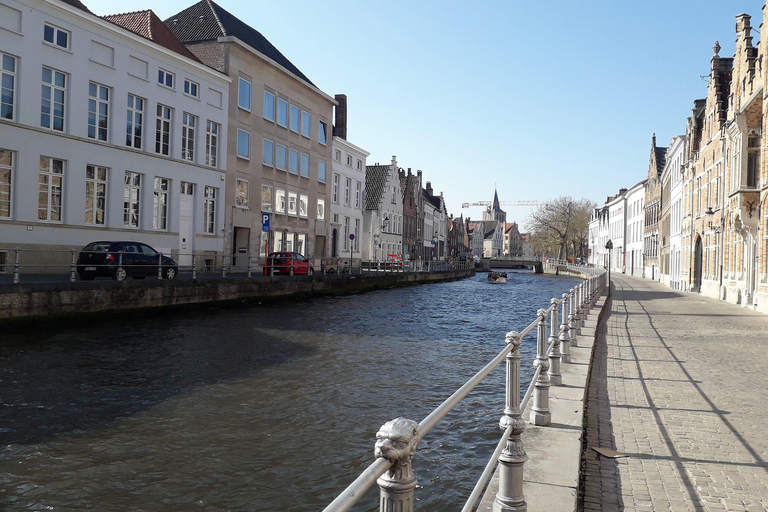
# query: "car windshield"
97, 247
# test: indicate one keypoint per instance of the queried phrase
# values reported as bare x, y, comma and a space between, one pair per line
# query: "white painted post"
573, 329
554, 356
73, 268
397, 441
565, 338
540, 414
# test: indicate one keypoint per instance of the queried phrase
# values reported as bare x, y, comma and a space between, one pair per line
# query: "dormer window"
56, 36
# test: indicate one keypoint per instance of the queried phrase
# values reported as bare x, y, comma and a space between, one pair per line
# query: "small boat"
497, 277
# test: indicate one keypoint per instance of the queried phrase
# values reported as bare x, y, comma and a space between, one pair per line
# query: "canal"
262, 407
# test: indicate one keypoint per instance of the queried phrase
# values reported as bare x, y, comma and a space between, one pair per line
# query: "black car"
119, 260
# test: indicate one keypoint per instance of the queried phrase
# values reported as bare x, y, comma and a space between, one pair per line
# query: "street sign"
265, 222
351, 236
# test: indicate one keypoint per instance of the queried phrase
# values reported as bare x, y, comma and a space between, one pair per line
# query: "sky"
536, 99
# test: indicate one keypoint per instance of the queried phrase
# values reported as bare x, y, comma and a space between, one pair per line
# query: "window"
357, 194
191, 88
321, 170
212, 143
209, 211
165, 78
134, 121
294, 119
160, 204
335, 189
131, 198
266, 198
95, 195
337, 155
243, 144
269, 106
277, 245
305, 123
282, 112
268, 157
346, 233
303, 201
304, 165
347, 190
293, 161
98, 111
322, 133
244, 94
349, 160
282, 155
291, 203
56, 36
357, 235
7, 86
321, 209
188, 128
301, 244
6, 174
163, 130
359, 165
241, 193
49, 206
53, 95
279, 201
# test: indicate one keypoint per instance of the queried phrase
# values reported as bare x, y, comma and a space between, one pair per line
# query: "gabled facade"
513, 247
410, 184
653, 210
435, 229
280, 146
635, 221
617, 228
383, 214
671, 212
122, 135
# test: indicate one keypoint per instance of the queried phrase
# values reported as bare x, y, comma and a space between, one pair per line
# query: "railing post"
224, 266
16, 267
565, 338
397, 441
510, 497
573, 322
73, 268
160, 266
249, 267
540, 414
553, 373
194, 268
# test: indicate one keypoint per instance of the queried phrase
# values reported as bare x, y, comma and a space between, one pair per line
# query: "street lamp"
609, 246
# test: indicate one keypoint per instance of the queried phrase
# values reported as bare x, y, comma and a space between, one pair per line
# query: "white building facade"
617, 227
346, 200
109, 136
635, 201
673, 169
383, 214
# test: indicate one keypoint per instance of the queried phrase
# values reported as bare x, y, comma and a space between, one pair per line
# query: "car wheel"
120, 274
170, 273
310, 271
290, 271
87, 276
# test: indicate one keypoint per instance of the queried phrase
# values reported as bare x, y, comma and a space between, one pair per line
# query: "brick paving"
679, 384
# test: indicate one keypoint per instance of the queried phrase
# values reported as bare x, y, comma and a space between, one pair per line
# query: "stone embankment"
56, 300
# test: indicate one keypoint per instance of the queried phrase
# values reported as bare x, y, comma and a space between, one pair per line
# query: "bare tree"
560, 226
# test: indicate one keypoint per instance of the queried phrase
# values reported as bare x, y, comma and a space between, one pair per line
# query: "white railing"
397, 440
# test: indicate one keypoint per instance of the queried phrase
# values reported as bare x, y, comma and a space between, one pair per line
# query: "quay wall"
26, 301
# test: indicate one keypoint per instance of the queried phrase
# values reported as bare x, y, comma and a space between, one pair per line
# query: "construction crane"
501, 203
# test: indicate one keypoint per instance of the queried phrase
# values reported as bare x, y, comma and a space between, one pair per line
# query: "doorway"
698, 254
186, 224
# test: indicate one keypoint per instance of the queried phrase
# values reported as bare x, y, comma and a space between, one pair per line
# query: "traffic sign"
265, 222
351, 236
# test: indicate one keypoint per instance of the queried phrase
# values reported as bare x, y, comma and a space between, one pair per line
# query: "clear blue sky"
540, 99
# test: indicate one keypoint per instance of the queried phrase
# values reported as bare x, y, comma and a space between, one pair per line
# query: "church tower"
494, 212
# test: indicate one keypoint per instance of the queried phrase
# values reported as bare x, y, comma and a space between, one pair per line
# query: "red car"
287, 263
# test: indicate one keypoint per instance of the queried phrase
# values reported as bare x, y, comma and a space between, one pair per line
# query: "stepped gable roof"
148, 25
433, 199
77, 4
661, 158
489, 228
207, 21
375, 182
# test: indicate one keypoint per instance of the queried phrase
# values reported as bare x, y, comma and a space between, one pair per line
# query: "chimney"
429, 189
340, 125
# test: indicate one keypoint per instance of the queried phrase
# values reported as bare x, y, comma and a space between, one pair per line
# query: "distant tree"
559, 227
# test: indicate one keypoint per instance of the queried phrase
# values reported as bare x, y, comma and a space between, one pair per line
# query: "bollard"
553, 373
565, 338
120, 273
510, 497
224, 266
73, 268
194, 268
540, 414
16, 267
573, 323
397, 441
249, 267
160, 266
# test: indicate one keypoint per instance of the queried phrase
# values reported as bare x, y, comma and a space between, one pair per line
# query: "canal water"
263, 407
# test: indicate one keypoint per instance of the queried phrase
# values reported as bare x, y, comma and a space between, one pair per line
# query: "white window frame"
132, 184
164, 76
280, 201
346, 233
96, 181
53, 88
337, 155
281, 153
266, 197
293, 206
209, 210
268, 153
293, 118
349, 160
7, 179
306, 124
282, 107
188, 131
335, 189
304, 165
269, 113
51, 186
163, 129
293, 161
242, 193
322, 136
98, 111
55, 32
322, 171
241, 83
191, 88
160, 203
320, 208
243, 138
303, 205
347, 191
134, 128
358, 187
357, 236
212, 130
8, 73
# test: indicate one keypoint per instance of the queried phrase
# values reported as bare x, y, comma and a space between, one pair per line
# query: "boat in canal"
497, 277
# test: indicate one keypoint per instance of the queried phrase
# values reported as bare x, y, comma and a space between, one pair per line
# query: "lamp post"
609, 246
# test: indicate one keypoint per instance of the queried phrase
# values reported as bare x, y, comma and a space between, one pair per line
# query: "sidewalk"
679, 386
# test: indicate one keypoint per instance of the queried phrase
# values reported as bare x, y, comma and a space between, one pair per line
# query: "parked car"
287, 263
119, 260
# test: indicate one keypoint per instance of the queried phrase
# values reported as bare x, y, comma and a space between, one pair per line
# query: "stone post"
510, 497
397, 441
160, 266
194, 268
573, 322
540, 414
16, 268
73, 268
553, 373
565, 338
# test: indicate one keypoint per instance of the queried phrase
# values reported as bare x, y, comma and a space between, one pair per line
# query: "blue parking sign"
265, 222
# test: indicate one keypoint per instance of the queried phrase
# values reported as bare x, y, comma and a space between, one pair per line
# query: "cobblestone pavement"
679, 384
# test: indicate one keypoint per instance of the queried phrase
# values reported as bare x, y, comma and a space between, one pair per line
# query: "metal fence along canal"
261, 407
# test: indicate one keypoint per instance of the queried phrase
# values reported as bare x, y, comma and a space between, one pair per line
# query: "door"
334, 243
186, 224
697, 262
240, 250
